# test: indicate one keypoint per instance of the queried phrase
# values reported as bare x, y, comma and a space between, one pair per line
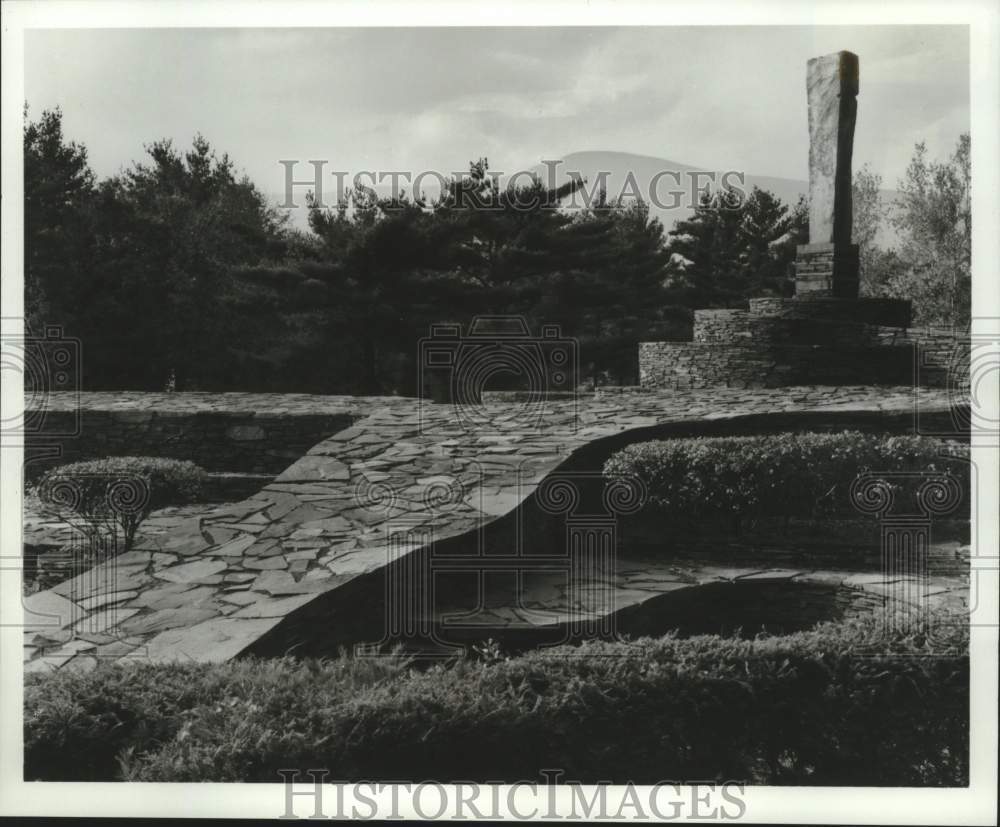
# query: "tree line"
177, 272
931, 215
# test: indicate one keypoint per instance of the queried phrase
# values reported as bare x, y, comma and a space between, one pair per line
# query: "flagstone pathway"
216, 585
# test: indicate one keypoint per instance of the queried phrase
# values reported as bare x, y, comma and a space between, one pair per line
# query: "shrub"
840, 705
782, 475
84, 726
120, 492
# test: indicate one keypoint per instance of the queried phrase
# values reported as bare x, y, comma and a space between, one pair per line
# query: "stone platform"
302, 565
823, 340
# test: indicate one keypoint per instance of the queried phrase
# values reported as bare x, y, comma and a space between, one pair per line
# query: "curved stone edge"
178, 597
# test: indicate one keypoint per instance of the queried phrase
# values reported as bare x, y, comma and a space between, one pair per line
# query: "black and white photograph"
560, 412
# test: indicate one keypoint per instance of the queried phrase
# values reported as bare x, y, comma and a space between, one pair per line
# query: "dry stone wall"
807, 341
868, 310
231, 432
677, 365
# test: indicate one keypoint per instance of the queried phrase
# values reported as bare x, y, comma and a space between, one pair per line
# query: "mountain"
676, 201
644, 169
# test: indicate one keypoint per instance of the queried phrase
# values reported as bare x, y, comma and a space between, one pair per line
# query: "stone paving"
47, 528
214, 584
632, 593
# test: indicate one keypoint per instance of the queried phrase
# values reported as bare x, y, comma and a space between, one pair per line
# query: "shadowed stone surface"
293, 549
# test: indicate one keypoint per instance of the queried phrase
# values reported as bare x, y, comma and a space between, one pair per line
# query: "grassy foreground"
842, 704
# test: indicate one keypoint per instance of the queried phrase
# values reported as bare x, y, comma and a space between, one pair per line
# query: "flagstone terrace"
302, 565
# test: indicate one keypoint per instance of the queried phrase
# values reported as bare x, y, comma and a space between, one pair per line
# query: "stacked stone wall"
678, 365
814, 338
867, 310
745, 327
217, 442
235, 433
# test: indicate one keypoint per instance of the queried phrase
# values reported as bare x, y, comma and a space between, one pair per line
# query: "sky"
434, 98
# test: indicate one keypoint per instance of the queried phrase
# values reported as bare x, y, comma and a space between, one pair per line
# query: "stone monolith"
828, 265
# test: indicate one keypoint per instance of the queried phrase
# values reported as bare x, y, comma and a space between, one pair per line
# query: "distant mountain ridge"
644, 170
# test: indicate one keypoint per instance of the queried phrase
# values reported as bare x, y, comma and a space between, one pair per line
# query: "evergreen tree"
495, 236
735, 248
706, 253
379, 278
770, 233
59, 190
170, 233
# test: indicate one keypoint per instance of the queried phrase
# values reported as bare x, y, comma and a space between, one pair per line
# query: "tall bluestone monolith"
828, 264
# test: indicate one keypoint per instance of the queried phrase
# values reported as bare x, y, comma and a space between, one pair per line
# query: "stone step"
867, 310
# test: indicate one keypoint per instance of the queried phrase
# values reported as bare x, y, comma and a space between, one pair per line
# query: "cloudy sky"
433, 98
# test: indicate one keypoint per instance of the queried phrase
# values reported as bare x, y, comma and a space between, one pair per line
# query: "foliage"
59, 188
139, 266
172, 231
878, 267
844, 704
120, 492
780, 475
932, 216
384, 270
735, 247
935, 221
81, 725
177, 273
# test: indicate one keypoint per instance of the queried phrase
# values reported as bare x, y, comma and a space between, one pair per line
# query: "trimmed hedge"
838, 705
121, 491
783, 475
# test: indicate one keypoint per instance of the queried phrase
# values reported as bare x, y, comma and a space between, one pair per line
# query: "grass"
842, 704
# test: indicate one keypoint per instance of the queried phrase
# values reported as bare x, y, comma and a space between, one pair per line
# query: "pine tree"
705, 252
59, 191
734, 248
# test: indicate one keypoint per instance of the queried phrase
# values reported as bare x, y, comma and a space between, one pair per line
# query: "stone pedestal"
826, 334
826, 270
